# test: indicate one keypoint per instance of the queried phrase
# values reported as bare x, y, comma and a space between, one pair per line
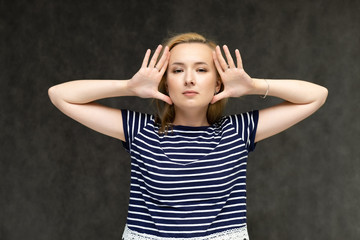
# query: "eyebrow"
182, 64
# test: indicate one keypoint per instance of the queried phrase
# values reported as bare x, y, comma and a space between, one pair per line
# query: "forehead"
191, 52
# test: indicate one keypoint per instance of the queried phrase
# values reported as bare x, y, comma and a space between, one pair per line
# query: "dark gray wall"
59, 180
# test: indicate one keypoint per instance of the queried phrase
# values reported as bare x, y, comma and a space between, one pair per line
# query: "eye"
202, 70
177, 70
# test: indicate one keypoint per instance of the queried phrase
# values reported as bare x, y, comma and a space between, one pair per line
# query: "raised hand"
236, 81
146, 81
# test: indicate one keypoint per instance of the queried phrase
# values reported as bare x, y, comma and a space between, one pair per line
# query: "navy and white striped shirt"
190, 182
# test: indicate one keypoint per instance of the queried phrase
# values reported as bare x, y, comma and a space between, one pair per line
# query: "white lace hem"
232, 234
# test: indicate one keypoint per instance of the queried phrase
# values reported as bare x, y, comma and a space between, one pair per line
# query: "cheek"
210, 82
209, 88
172, 84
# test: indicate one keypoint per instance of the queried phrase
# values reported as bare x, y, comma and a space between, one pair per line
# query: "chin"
191, 105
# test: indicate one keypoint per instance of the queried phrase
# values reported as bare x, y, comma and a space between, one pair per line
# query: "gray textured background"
59, 180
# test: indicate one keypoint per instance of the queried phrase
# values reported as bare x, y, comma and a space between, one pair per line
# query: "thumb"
218, 97
163, 97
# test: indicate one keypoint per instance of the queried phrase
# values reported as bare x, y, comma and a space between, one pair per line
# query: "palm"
146, 81
236, 81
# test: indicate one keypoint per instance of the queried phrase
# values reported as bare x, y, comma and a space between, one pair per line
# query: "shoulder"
129, 115
241, 119
134, 121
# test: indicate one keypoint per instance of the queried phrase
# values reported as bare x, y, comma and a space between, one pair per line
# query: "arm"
76, 98
301, 98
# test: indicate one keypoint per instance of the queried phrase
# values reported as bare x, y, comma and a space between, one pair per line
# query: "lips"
190, 93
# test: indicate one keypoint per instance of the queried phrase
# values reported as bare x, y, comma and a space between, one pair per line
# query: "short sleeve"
133, 123
245, 125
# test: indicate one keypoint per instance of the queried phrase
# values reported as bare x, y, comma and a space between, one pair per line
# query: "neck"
192, 118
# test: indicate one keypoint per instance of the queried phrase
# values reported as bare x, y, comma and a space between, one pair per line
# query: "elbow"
323, 95
320, 97
53, 95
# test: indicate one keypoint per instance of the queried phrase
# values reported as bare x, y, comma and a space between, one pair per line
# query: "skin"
77, 98
191, 82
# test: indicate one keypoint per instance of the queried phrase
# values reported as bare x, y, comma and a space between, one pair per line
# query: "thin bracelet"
267, 90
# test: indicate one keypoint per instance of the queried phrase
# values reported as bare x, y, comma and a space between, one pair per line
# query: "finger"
217, 63
155, 57
163, 97
221, 59
146, 58
238, 59
229, 58
163, 59
165, 65
218, 97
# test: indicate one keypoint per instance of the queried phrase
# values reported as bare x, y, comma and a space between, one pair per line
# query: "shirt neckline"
191, 128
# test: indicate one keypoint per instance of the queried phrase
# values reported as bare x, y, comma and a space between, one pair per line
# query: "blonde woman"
188, 162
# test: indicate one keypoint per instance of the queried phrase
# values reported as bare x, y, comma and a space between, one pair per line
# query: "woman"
188, 175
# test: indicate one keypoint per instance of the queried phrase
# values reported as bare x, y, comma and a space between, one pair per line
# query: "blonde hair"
165, 112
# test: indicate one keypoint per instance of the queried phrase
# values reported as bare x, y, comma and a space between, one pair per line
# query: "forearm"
85, 91
294, 91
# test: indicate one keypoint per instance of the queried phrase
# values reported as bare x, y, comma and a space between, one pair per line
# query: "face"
191, 76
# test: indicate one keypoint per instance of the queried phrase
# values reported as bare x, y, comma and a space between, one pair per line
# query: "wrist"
261, 87
123, 88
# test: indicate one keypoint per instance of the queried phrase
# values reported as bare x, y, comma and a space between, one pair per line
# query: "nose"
189, 79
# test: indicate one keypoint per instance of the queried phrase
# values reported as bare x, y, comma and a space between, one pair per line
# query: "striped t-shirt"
191, 182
